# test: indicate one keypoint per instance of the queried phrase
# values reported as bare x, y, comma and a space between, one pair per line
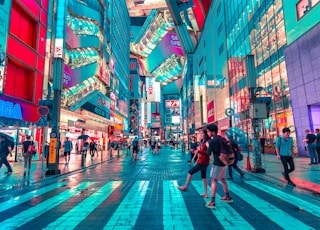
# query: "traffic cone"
248, 165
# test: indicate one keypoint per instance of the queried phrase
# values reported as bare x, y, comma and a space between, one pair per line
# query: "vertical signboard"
210, 109
5, 7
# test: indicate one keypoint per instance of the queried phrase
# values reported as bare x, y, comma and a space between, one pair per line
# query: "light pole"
59, 9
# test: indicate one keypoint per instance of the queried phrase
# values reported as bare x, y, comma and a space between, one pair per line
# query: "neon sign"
10, 110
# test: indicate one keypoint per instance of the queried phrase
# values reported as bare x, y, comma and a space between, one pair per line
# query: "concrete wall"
303, 68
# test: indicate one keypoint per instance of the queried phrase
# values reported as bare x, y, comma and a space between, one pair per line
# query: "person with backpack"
284, 150
238, 157
67, 150
218, 169
6, 148
135, 149
27, 154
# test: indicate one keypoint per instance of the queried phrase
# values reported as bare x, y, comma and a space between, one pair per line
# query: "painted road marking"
175, 212
278, 216
28, 196
126, 215
31, 213
84, 208
227, 216
304, 205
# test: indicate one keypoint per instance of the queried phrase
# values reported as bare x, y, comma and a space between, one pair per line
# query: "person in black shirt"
27, 156
318, 143
5, 150
310, 140
218, 169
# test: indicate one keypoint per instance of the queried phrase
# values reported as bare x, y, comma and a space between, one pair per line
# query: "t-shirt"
67, 146
285, 146
214, 148
311, 137
26, 145
4, 148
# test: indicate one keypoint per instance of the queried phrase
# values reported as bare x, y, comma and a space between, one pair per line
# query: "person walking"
284, 150
27, 155
201, 165
135, 149
237, 152
310, 140
193, 146
262, 144
67, 150
218, 169
92, 149
5, 150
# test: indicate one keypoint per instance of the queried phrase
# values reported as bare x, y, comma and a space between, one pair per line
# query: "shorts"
197, 168
218, 172
66, 153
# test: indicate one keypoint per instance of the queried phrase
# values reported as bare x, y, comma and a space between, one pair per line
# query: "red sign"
150, 90
172, 103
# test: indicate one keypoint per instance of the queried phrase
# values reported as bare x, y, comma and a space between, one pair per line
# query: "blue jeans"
312, 153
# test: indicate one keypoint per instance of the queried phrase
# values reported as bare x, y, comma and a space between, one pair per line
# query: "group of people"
210, 145
200, 153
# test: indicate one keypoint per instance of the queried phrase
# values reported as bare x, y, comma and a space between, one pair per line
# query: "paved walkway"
306, 177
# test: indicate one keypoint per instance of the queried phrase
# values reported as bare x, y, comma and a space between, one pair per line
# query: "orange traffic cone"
248, 165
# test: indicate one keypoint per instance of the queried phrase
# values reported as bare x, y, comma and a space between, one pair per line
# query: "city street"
124, 194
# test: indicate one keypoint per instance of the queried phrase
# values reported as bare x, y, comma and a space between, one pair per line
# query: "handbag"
32, 149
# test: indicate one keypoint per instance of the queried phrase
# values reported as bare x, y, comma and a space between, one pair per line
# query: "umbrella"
6, 136
237, 135
83, 136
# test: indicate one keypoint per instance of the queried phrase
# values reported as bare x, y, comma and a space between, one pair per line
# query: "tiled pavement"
124, 194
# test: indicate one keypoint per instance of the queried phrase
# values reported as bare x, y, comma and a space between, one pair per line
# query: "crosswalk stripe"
28, 196
175, 212
225, 213
278, 216
127, 213
83, 209
304, 205
31, 213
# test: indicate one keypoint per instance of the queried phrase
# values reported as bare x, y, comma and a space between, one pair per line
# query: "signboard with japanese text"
172, 103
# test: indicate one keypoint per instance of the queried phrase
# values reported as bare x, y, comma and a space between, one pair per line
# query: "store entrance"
314, 116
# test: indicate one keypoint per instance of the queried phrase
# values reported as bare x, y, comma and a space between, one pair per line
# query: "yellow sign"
52, 151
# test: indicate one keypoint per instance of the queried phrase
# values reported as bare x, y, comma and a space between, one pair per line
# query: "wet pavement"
120, 193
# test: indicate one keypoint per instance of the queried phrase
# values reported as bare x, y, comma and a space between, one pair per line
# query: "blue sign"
10, 110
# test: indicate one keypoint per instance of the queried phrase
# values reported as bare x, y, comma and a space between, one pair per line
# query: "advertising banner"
210, 109
99, 105
5, 7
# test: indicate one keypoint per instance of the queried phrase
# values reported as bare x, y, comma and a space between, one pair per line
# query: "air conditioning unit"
258, 110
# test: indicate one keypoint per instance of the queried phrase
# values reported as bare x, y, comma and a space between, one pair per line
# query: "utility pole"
59, 9
257, 111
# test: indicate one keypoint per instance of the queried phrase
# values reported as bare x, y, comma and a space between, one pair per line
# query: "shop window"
23, 26
19, 82
305, 6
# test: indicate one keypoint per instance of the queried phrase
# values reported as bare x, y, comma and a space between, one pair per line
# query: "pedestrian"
85, 147
5, 149
318, 143
27, 155
201, 165
218, 169
237, 152
183, 145
67, 150
158, 146
135, 149
193, 146
284, 150
311, 145
92, 149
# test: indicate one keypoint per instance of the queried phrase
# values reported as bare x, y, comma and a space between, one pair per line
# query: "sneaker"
230, 178
291, 183
211, 204
242, 175
226, 199
9, 172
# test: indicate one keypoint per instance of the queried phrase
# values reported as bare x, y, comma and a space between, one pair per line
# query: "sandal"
183, 188
204, 195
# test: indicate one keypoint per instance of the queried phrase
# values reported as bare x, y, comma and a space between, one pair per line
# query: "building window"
221, 49
304, 6
220, 29
17, 80
23, 26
